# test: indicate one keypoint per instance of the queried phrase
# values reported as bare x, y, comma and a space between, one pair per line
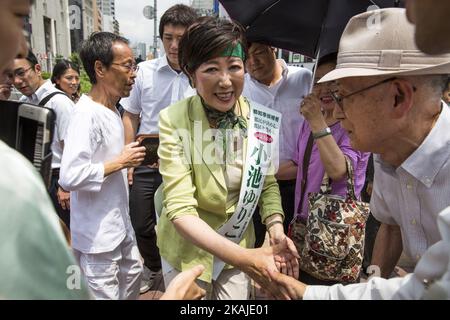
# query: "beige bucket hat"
381, 42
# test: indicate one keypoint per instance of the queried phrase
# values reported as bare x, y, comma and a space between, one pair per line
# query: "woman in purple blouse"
329, 146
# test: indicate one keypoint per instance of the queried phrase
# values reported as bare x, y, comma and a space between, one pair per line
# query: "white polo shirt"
285, 97
156, 87
99, 218
63, 107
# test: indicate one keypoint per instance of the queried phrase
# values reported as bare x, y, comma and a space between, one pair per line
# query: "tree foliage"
84, 79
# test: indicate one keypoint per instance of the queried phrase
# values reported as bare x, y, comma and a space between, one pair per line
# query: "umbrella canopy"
304, 26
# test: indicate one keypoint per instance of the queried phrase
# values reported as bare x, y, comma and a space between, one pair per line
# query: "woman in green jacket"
202, 173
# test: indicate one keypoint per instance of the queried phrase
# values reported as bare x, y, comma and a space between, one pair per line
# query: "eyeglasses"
21, 72
339, 99
129, 66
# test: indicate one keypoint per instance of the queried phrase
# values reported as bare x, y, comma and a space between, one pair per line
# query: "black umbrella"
308, 27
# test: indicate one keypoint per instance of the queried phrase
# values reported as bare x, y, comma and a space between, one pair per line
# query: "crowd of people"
244, 143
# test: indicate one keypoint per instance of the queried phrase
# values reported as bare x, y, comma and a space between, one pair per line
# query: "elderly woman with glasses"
201, 190
322, 147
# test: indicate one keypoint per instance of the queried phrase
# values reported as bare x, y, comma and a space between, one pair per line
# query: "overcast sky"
133, 24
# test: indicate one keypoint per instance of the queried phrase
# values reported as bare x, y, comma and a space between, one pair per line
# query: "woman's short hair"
207, 39
61, 67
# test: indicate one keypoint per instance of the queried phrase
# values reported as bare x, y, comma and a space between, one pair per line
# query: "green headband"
230, 51
234, 51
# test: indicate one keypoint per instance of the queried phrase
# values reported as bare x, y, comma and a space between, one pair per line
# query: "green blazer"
194, 184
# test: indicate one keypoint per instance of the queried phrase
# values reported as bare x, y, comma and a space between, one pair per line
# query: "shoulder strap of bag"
325, 187
350, 179
44, 101
305, 167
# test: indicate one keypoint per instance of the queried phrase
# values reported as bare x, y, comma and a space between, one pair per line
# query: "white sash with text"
262, 156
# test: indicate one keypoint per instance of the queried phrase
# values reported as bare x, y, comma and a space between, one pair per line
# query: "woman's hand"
259, 261
286, 261
311, 110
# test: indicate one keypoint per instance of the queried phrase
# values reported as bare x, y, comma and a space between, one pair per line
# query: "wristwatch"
322, 133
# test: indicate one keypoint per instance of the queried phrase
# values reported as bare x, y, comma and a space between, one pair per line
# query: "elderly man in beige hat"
390, 104
388, 94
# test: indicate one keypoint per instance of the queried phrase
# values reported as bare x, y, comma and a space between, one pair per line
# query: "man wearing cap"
389, 97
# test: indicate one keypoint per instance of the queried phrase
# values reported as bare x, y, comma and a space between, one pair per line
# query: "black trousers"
64, 215
287, 192
372, 226
143, 216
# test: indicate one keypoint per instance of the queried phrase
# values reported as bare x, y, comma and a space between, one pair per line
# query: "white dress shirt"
63, 107
285, 97
99, 218
430, 280
412, 195
157, 86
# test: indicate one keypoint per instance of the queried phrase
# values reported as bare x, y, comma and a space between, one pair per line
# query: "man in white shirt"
94, 170
159, 84
28, 80
272, 83
403, 120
